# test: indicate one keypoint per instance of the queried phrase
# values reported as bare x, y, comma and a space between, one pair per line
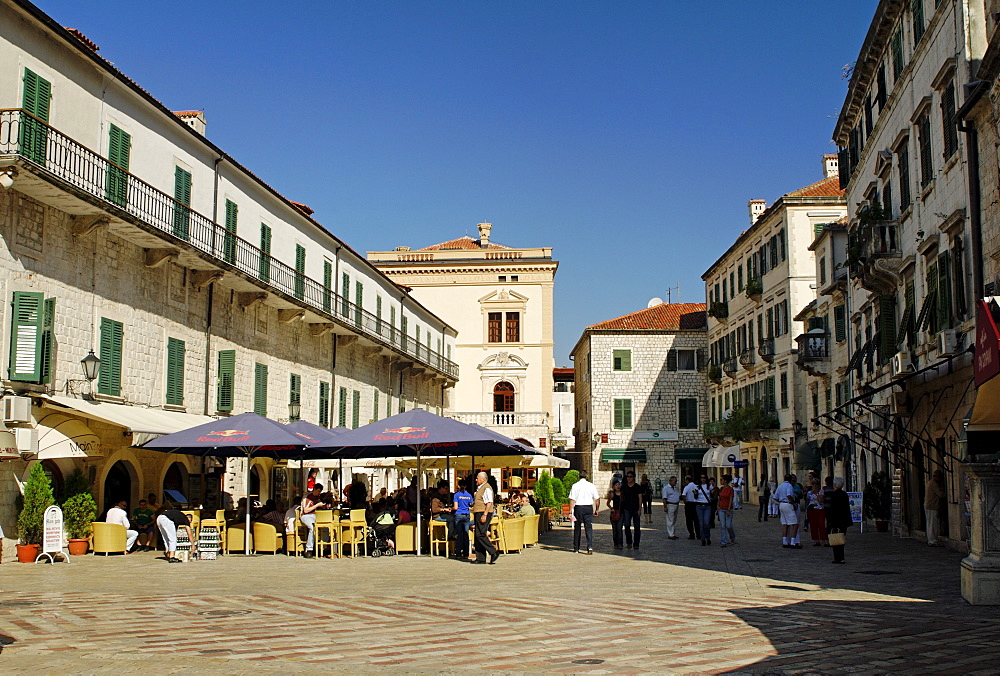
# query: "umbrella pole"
418, 538
340, 481
447, 469
246, 533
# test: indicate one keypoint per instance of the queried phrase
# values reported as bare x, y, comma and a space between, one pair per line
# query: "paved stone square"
672, 606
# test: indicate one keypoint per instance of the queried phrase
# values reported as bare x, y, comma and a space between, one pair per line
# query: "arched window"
503, 397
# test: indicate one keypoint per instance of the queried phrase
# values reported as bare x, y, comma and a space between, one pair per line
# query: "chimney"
831, 166
193, 118
484, 234
757, 207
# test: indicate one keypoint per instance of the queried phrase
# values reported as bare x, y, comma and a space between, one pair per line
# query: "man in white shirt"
784, 495
737, 485
117, 514
584, 505
700, 495
690, 513
671, 499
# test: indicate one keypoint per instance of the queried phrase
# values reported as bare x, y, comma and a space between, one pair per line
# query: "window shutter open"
672, 359
260, 389
701, 363
227, 380
229, 238
944, 290
48, 339
175, 372
110, 377
355, 409
327, 283
324, 404
26, 343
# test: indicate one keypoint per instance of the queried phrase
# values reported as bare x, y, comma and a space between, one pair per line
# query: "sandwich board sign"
52, 536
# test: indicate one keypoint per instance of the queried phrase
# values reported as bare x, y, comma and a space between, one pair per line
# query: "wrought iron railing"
730, 367
813, 346
766, 349
130, 198
747, 358
719, 310
715, 428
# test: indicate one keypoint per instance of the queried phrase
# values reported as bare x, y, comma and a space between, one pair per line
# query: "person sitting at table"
142, 521
403, 512
441, 507
270, 514
535, 504
526, 508
310, 504
117, 514
358, 495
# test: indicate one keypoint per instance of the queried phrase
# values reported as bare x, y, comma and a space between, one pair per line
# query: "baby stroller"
381, 530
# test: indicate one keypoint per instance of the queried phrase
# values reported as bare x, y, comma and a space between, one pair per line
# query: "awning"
721, 457
64, 436
464, 462
689, 454
351, 463
616, 455
136, 420
986, 412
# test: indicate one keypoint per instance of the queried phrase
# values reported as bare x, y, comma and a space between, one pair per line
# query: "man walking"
763, 497
631, 510
701, 497
671, 499
727, 503
584, 505
690, 511
785, 497
933, 499
482, 512
737, 484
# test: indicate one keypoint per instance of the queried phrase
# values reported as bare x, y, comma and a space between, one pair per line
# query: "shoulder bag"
836, 539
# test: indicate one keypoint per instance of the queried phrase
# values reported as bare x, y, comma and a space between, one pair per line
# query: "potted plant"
878, 500
31, 520
78, 513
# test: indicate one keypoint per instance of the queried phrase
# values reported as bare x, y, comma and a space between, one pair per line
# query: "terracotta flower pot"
78, 546
27, 553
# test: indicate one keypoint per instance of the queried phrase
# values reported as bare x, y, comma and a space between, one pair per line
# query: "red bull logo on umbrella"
405, 432
226, 435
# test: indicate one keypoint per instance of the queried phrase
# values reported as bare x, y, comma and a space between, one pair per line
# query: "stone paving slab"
671, 607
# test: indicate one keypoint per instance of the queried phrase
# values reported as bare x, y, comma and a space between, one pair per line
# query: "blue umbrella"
414, 433
314, 434
246, 435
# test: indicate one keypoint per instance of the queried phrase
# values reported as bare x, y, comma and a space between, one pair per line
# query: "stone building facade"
640, 392
754, 290
911, 313
202, 291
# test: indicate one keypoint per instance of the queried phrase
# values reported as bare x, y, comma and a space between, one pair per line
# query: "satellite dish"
653, 302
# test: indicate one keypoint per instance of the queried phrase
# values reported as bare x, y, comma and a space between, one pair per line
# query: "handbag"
836, 539
616, 515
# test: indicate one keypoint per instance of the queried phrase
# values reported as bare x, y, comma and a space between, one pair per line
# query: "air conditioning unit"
27, 440
17, 410
947, 343
901, 365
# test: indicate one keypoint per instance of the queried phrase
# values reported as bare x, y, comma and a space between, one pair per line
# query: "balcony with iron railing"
875, 255
719, 310
748, 358
814, 352
766, 350
755, 288
731, 367
55, 158
715, 429
715, 373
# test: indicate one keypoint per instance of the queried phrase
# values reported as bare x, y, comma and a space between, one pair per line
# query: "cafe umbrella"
314, 434
246, 435
415, 433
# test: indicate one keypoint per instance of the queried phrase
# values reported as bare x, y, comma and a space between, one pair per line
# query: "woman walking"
838, 518
814, 512
614, 500
763, 498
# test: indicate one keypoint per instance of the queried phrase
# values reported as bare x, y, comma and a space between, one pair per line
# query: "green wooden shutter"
402, 331
342, 408
944, 290
783, 393
622, 414
229, 238
182, 193
375, 404
109, 380
931, 318
227, 380
672, 359
622, 360
911, 304
264, 271
887, 326
26, 342
378, 315
327, 283
769, 401
359, 296
175, 372
260, 389
416, 339
345, 294
33, 134
295, 390
324, 404
300, 269
119, 150
356, 409
48, 340
840, 323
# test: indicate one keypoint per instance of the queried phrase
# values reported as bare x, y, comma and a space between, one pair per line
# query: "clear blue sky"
628, 136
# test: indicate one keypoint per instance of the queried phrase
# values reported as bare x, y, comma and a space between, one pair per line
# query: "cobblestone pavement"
672, 606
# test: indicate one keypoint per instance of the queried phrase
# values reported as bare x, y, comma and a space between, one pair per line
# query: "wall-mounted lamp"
91, 366
797, 427
294, 411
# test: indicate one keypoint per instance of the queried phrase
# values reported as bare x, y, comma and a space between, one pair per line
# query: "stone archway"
121, 482
176, 479
503, 397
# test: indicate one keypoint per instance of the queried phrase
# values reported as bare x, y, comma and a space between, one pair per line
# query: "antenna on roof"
670, 293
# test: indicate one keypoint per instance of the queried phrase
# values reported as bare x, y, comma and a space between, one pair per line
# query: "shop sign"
8, 446
52, 539
987, 361
857, 503
656, 435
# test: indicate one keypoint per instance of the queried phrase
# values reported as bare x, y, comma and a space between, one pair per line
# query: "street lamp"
91, 366
797, 427
294, 410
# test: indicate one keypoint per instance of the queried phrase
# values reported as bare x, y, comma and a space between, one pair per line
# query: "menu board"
52, 538
857, 502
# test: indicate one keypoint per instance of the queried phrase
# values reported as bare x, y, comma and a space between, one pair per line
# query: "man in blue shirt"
461, 510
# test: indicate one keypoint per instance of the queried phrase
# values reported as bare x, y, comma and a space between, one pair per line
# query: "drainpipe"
975, 209
208, 346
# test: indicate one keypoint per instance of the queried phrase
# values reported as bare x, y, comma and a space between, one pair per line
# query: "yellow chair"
439, 537
406, 540
109, 538
326, 533
355, 532
265, 538
531, 528
235, 540
220, 516
511, 535
195, 519
294, 540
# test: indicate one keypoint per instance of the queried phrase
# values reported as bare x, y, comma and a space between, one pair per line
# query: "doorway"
503, 397
118, 485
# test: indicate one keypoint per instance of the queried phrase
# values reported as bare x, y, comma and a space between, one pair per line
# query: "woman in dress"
814, 512
647, 499
614, 501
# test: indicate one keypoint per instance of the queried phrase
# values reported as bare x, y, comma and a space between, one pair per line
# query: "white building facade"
754, 290
202, 290
641, 393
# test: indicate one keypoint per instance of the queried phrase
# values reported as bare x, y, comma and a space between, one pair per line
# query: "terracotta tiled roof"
91, 45
465, 242
663, 317
563, 371
828, 187
187, 113
303, 208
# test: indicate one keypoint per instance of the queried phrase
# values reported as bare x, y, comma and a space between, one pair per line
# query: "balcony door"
503, 397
